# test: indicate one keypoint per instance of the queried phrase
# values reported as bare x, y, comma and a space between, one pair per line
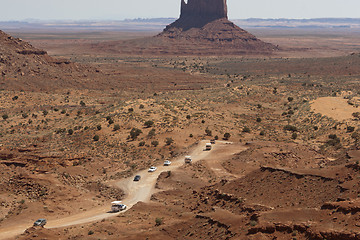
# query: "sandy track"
134, 191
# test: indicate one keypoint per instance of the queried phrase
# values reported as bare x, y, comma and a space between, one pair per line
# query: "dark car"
40, 222
137, 178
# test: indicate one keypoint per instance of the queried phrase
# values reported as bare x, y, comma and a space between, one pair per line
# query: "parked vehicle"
40, 222
208, 147
117, 206
212, 141
152, 169
188, 159
167, 163
137, 178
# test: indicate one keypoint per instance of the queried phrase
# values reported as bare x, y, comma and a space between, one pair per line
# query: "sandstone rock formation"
205, 23
196, 13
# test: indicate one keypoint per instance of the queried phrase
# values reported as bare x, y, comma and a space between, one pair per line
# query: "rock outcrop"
197, 13
205, 23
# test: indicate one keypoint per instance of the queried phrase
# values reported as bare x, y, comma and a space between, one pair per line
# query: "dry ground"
291, 173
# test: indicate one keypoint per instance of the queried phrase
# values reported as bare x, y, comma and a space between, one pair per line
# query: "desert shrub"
63, 111
45, 112
70, 131
356, 114
86, 128
333, 141
5, 116
141, 106
294, 136
15, 98
290, 128
259, 106
108, 118
111, 121
151, 133
262, 133
253, 223
332, 136
158, 221
169, 141
134, 133
191, 135
155, 143
290, 112
24, 115
290, 99
208, 132
90, 232
98, 127
116, 127
149, 123
258, 120
141, 144
316, 128
188, 116
130, 110
227, 136
350, 129
216, 137
246, 130
82, 103
202, 121
96, 138
56, 109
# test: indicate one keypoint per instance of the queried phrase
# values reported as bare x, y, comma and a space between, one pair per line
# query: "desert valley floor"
80, 117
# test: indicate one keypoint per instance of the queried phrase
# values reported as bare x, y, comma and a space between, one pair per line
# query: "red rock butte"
203, 29
206, 22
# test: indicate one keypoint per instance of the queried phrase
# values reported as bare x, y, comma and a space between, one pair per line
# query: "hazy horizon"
120, 9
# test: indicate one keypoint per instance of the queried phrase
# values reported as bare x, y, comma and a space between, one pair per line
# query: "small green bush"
5, 116
70, 131
116, 127
96, 138
208, 132
149, 123
151, 133
158, 221
290, 128
155, 143
134, 133
227, 136
246, 130
169, 141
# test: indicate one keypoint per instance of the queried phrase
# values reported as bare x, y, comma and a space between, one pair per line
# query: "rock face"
205, 23
200, 12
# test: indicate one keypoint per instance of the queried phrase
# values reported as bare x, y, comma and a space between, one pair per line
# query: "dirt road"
135, 191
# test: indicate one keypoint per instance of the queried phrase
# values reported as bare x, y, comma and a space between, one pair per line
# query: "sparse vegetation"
134, 133
227, 136
149, 123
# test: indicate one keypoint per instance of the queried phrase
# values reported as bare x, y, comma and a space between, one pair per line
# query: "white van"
117, 206
208, 147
